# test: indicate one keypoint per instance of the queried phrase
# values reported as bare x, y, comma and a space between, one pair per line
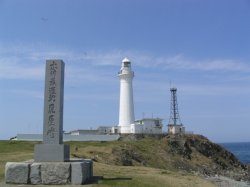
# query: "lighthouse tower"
126, 113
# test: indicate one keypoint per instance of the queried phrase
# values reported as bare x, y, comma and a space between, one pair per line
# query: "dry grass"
145, 176
111, 175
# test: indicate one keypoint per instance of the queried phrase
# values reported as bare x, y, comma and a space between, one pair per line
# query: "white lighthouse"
126, 113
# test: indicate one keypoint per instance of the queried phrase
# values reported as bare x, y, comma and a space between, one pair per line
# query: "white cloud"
10, 68
179, 62
27, 62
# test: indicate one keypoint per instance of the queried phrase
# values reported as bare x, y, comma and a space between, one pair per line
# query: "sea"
240, 149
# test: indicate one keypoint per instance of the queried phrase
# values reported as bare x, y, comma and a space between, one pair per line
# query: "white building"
147, 126
126, 111
100, 130
104, 130
81, 132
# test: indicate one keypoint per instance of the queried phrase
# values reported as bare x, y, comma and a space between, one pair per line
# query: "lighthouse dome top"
125, 60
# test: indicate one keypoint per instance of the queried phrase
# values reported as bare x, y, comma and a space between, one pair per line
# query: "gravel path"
227, 182
2, 184
220, 181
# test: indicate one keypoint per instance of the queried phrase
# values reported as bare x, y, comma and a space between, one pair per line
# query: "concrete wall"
39, 137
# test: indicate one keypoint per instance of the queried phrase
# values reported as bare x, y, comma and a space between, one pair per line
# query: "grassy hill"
187, 153
144, 161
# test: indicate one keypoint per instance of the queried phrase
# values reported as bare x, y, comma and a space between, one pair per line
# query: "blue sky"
201, 47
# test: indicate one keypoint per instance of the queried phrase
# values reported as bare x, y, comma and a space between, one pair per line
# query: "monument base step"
51, 153
73, 172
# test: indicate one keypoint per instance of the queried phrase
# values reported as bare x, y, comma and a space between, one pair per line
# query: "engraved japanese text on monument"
53, 103
52, 100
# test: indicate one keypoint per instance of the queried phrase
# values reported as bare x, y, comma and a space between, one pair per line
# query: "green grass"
14, 151
16, 146
113, 175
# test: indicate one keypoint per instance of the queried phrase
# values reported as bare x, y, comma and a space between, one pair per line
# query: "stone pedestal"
17, 172
74, 172
51, 153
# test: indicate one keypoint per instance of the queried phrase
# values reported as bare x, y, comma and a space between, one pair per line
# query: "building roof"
149, 119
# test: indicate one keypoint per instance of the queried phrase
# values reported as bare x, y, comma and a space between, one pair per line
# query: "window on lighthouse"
126, 64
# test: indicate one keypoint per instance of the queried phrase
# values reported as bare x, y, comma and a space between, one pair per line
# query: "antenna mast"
174, 113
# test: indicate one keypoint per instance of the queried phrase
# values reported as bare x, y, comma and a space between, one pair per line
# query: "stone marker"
50, 166
53, 148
